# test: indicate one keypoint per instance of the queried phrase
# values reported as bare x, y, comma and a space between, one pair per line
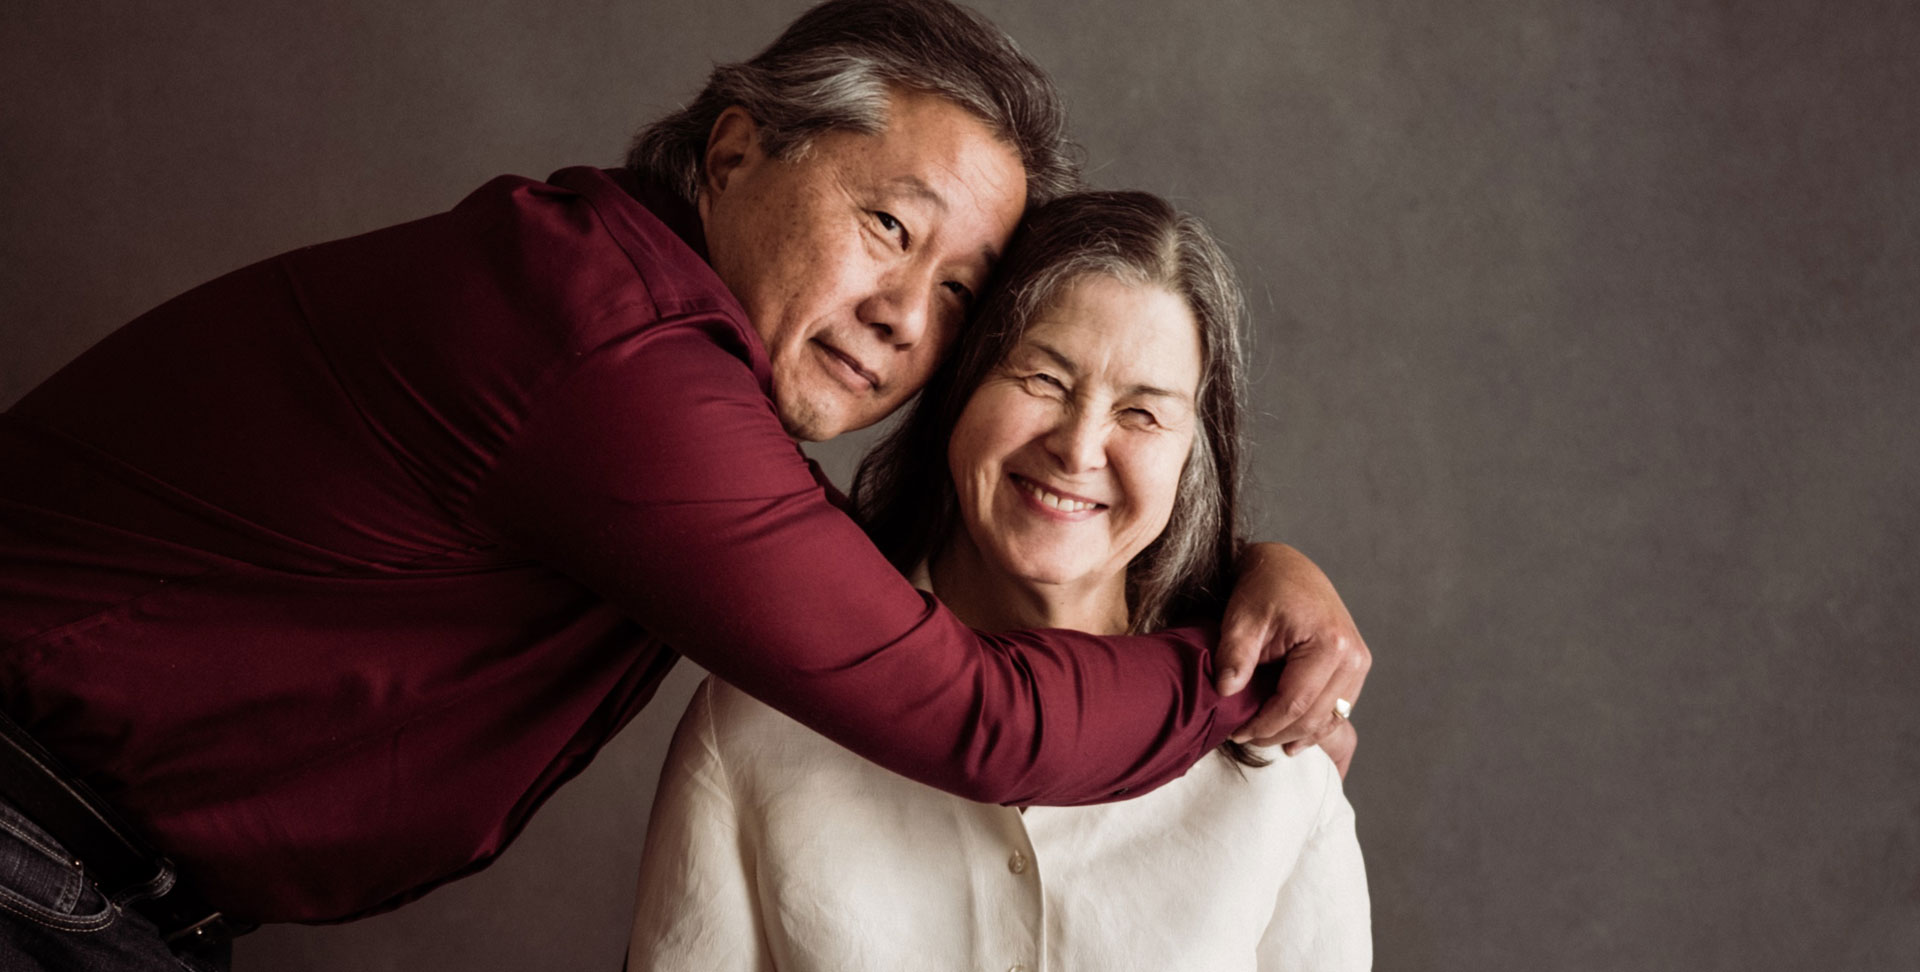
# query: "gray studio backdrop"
1586, 363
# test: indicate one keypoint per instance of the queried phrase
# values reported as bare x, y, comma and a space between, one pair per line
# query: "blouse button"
1018, 865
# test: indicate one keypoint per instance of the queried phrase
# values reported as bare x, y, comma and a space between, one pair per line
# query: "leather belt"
123, 866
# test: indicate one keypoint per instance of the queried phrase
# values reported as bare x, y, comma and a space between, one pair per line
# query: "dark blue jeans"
52, 918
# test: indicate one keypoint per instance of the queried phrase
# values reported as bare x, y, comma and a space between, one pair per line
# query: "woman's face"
1067, 458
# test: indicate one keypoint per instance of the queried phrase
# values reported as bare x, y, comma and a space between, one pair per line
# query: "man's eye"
892, 226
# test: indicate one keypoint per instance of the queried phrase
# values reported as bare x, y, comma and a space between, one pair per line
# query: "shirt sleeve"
1321, 917
656, 473
696, 907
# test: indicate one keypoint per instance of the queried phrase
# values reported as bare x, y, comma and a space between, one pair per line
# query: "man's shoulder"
659, 236
584, 257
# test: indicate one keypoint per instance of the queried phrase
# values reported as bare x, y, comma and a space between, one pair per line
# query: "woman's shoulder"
1308, 776
760, 743
733, 714
1288, 794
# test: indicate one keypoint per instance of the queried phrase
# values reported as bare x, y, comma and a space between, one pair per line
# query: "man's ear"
733, 143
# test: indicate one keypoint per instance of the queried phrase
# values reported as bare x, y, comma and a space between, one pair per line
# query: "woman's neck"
985, 597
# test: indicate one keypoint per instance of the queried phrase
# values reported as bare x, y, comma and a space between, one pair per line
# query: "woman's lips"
1055, 502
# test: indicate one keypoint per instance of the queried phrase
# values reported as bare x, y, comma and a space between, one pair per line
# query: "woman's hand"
1285, 608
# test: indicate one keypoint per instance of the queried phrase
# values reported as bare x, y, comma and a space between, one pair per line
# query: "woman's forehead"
1126, 331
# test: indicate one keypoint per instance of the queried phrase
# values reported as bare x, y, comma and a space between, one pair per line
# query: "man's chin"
809, 433
818, 414
807, 420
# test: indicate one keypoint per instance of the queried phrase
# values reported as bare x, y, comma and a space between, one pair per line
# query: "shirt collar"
668, 206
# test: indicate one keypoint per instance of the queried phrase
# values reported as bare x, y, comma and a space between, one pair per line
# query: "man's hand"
1340, 744
1285, 608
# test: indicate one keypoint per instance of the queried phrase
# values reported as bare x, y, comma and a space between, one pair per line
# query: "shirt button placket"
1017, 863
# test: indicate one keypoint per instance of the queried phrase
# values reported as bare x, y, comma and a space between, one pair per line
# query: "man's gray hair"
833, 69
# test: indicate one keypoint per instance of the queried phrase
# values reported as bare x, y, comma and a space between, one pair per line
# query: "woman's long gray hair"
833, 68
904, 494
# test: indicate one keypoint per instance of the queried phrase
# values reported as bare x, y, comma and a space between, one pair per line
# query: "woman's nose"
1078, 441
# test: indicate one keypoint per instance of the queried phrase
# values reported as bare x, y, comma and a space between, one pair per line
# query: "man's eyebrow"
1066, 364
917, 187
914, 186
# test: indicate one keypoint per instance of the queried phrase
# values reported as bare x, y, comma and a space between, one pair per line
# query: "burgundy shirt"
329, 571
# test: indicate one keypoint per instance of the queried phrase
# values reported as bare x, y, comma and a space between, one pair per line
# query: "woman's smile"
1055, 503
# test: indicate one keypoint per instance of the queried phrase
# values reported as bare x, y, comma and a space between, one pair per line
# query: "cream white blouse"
771, 847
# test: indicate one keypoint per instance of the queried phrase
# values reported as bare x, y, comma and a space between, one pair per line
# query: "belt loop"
123, 866
214, 929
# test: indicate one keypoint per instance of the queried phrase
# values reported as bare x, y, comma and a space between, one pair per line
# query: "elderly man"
321, 577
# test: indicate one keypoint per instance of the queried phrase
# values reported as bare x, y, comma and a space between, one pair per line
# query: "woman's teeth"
1055, 500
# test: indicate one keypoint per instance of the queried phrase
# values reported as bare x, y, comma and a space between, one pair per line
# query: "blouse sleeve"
657, 474
696, 907
1321, 919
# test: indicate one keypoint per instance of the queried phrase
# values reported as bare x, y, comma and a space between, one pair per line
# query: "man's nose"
903, 309
1078, 441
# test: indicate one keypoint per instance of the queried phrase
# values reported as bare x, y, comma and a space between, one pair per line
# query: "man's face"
857, 262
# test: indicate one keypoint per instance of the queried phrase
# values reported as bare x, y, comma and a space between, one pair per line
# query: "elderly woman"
1074, 466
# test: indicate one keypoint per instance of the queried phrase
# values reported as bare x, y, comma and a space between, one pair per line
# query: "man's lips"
851, 364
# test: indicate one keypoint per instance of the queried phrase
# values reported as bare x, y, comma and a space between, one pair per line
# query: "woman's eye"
1041, 381
960, 290
892, 226
1141, 416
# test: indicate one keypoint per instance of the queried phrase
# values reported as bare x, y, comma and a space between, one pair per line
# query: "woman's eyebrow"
1067, 364
1149, 391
